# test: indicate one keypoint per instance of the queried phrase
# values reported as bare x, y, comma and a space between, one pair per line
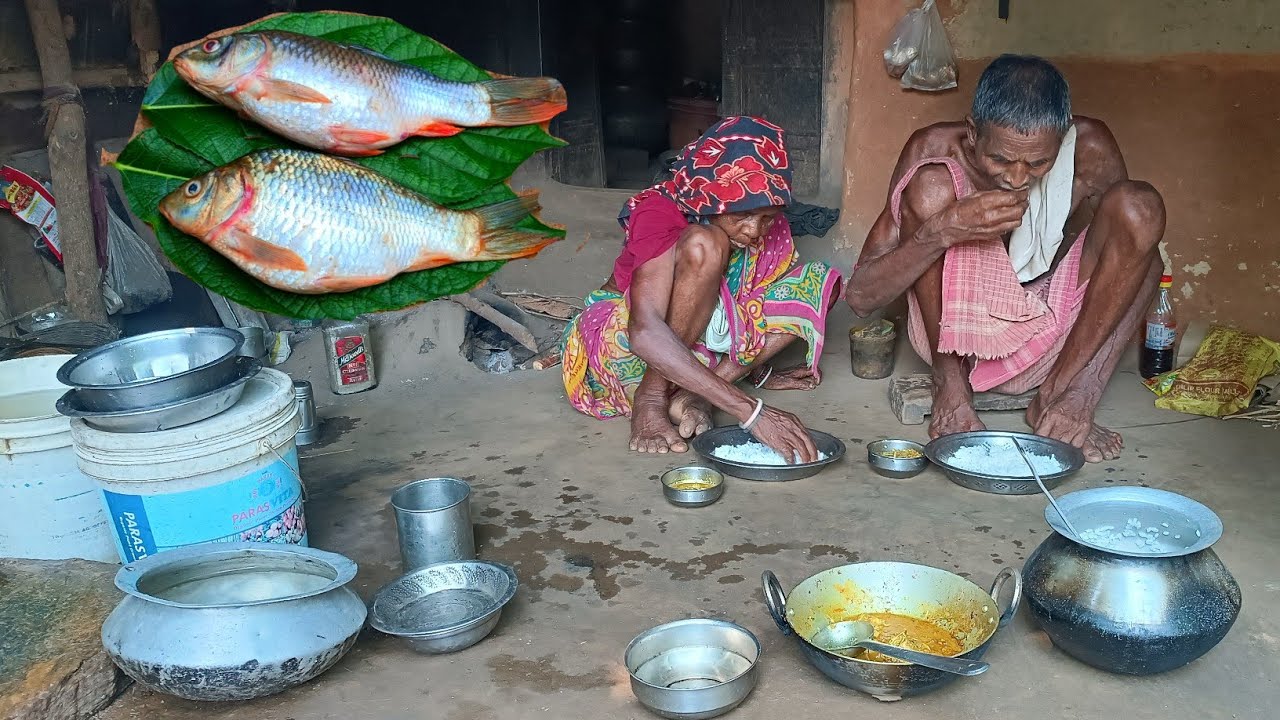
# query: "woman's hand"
784, 432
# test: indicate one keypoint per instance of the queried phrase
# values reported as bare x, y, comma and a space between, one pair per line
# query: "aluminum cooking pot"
943, 598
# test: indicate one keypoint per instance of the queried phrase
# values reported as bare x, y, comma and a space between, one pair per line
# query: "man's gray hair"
1024, 93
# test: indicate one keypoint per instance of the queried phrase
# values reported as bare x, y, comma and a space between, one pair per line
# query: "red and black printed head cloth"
739, 164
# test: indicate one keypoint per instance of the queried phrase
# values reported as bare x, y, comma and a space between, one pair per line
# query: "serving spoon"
849, 634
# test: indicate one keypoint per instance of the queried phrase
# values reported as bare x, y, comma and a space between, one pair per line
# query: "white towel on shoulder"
1035, 243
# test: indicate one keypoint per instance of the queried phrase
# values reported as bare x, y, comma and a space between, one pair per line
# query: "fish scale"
388, 91
357, 203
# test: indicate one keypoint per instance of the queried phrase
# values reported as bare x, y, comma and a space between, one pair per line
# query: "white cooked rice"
1132, 538
1002, 461
755, 453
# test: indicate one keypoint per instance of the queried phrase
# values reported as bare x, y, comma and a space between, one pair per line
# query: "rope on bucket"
267, 446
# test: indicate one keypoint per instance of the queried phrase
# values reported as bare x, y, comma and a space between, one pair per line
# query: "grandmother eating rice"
707, 288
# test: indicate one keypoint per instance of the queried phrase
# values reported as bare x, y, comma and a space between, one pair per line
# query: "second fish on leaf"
309, 223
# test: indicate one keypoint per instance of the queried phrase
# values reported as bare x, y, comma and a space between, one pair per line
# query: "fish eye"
211, 45
192, 189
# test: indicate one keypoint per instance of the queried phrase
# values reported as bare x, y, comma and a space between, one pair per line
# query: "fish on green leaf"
191, 135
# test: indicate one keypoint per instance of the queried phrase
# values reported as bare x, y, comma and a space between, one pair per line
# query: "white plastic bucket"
51, 510
231, 478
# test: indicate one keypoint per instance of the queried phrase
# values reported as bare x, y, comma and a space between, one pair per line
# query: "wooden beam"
96, 77
68, 163
144, 26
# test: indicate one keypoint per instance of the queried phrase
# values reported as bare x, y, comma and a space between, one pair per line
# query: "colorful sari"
766, 290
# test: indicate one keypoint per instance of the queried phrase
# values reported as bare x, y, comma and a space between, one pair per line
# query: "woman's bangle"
755, 415
768, 371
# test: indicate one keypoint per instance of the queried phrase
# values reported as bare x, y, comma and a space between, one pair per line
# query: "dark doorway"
643, 80
646, 77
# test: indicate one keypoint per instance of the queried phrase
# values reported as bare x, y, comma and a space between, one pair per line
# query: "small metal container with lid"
309, 424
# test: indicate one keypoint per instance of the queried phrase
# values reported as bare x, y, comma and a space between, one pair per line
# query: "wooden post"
144, 26
68, 163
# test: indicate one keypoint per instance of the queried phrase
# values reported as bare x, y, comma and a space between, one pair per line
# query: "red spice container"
350, 351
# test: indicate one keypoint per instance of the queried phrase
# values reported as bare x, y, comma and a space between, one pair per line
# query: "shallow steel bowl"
897, 468
187, 411
444, 607
153, 369
693, 669
707, 443
941, 450
692, 486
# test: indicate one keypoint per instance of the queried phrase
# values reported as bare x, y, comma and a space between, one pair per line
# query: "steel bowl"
693, 669
972, 614
897, 468
707, 443
1185, 526
692, 486
153, 369
942, 449
164, 417
445, 607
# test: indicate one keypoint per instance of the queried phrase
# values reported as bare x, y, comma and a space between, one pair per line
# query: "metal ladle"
1044, 489
850, 634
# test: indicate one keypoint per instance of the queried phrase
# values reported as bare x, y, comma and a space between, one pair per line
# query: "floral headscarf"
739, 164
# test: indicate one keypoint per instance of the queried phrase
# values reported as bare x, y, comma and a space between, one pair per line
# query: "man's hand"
784, 432
984, 215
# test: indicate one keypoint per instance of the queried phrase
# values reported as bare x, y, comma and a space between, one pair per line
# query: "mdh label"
263, 506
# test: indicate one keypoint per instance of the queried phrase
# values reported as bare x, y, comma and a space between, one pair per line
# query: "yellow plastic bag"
1220, 379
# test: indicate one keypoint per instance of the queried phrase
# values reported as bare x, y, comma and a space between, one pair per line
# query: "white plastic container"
51, 510
231, 478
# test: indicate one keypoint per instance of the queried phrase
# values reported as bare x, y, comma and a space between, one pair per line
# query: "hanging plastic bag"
134, 276
904, 46
934, 67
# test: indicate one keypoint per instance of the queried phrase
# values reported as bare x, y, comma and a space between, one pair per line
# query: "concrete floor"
602, 557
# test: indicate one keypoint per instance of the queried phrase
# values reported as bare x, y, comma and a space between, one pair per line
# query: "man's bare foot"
691, 413
1069, 418
796, 377
651, 432
952, 412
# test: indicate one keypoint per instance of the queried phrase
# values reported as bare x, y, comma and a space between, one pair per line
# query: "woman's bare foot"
691, 413
796, 377
1069, 418
952, 411
651, 432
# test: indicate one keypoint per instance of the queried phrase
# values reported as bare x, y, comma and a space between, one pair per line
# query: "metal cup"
308, 426
255, 342
433, 521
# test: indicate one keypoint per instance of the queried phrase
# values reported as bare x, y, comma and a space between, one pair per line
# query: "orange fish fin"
431, 259
524, 101
255, 250
437, 129
346, 283
354, 141
499, 239
286, 90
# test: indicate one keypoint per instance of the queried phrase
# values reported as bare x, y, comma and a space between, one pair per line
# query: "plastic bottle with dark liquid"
1162, 331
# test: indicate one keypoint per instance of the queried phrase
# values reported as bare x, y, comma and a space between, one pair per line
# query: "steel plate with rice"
708, 443
988, 461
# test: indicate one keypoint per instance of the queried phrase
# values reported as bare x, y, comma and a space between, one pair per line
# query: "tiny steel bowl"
896, 468
692, 498
693, 669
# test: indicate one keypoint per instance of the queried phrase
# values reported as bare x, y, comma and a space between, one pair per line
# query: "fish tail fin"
524, 101
500, 239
